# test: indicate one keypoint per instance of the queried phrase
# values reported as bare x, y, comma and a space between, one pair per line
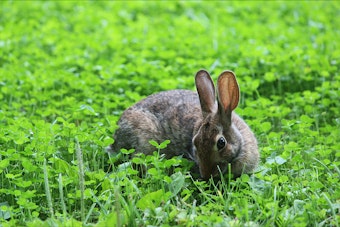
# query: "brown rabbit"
199, 128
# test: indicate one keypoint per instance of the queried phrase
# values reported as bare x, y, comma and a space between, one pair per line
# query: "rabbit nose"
207, 171
206, 177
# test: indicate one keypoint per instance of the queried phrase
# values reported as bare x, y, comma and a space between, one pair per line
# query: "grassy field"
69, 69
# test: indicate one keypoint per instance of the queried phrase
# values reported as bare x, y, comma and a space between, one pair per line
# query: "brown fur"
193, 122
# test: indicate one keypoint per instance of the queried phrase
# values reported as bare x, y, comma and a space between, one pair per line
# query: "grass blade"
47, 190
81, 179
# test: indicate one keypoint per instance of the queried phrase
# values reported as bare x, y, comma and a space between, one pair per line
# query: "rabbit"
200, 127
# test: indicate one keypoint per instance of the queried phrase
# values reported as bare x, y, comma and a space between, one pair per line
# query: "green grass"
69, 69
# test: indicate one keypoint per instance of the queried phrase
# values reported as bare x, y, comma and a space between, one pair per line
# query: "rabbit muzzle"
218, 163
214, 170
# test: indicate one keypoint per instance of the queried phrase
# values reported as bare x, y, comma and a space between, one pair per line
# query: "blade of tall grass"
47, 190
81, 179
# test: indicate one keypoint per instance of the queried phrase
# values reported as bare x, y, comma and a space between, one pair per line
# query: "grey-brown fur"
169, 115
193, 122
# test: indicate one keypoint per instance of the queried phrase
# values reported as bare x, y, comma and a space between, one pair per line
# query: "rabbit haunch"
169, 115
200, 128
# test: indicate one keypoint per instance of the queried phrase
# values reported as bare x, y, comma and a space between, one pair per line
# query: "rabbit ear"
206, 92
228, 91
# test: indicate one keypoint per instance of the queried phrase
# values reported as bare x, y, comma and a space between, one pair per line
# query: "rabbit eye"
221, 143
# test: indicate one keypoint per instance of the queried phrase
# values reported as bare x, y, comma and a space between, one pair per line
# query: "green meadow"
68, 69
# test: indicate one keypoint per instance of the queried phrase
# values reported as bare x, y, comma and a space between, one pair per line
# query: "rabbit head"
217, 142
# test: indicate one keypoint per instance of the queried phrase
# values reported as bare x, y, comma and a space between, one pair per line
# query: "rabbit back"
169, 115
